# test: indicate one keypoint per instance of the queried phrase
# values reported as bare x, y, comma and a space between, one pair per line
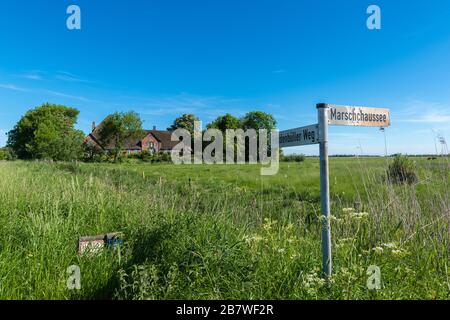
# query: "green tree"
47, 132
119, 127
186, 121
258, 120
225, 122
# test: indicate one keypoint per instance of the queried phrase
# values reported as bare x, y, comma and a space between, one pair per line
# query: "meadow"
223, 231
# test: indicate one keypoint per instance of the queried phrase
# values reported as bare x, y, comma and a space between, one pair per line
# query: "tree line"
48, 132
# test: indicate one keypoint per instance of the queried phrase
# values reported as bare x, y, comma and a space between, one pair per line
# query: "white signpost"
318, 134
299, 136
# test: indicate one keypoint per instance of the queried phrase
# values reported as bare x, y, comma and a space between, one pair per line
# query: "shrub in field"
93, 153
2, 154
162, 157
293, 158
6, 154
402, 170
146, 156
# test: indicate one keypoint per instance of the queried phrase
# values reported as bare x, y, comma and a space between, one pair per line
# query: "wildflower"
344, 242
399, 252
390, 245
359, 215
378, 250
253, 238
347, 210
268, 223
312, 282
281, 250
330, 218
291, 240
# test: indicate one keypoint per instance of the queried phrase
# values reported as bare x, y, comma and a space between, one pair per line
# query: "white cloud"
430, 117
13, 87
32, 76
38, 75
352, 136
64, 95
67, 76
419, 111
43, 91
184, 103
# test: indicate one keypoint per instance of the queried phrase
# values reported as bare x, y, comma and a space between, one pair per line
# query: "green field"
222, 232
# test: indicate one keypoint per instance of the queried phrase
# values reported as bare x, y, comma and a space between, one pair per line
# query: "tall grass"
222, 232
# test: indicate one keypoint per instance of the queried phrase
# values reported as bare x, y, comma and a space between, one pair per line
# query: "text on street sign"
358, 116
299, 136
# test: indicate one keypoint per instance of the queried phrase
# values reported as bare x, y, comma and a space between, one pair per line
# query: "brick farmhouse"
153, 141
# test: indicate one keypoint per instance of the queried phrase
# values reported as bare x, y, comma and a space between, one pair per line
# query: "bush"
93, 153
402, 170
6, 154
293, 158
162, 157
2, 154
146, 156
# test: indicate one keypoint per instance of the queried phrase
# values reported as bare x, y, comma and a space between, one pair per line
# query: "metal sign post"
318, 134
325, 189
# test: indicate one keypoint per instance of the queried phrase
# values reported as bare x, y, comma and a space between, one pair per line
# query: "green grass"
222, 232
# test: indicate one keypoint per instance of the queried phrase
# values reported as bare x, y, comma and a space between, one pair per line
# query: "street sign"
300, 136
318, 134
358, 116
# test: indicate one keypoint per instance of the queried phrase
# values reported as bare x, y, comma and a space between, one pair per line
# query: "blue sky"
165, 58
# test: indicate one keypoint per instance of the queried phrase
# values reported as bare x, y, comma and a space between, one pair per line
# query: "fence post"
322, 109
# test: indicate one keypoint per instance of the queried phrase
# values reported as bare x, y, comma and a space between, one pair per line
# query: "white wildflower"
378, 250
390, 245
359, 215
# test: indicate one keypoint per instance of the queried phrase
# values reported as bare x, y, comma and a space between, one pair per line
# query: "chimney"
93, 126
154, 128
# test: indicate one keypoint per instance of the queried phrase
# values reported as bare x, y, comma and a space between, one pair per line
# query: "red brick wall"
148, 140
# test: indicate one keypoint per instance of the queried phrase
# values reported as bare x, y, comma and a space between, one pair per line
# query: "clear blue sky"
165, 58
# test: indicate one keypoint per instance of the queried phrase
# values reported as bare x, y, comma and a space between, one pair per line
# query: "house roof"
164, 137
134, 143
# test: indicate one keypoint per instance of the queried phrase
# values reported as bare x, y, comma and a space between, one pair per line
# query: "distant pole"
322, 109
435, 144
382, 129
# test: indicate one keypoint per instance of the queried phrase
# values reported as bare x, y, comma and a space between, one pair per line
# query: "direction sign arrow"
358, 116
299, 136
